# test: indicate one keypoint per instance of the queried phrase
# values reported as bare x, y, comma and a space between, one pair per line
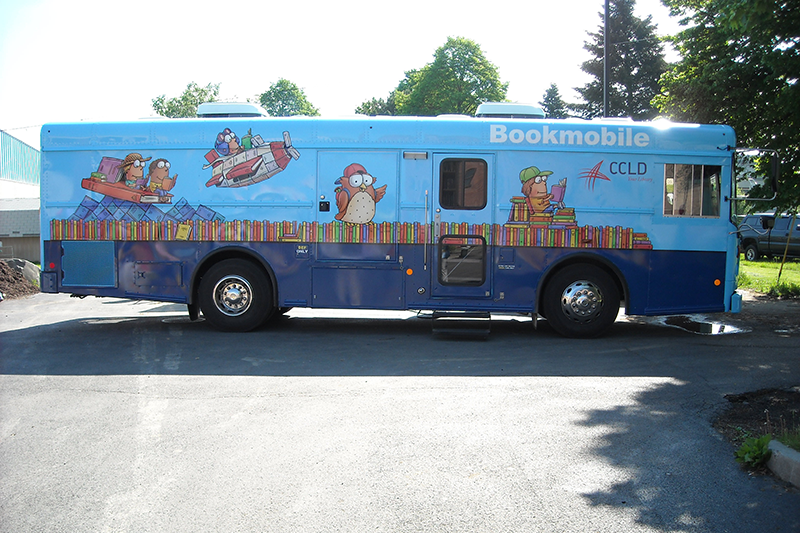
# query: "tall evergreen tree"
636, 62
553, 105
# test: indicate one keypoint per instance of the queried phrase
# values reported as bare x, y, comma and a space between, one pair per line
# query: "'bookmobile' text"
605, 137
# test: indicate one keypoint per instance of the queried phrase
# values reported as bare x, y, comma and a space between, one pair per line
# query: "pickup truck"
766, 235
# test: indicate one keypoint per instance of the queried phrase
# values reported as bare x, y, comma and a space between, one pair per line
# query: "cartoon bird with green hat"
534, 187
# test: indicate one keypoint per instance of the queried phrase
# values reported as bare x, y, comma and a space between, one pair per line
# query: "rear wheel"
235, 295
581, 301
751, 252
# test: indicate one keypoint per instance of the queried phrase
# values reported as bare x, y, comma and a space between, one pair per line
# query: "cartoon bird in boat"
242, 162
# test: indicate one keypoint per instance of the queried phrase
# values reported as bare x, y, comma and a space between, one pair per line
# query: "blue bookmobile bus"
241, 218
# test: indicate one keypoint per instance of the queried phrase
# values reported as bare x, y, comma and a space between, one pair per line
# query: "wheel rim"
582, 301
233, 295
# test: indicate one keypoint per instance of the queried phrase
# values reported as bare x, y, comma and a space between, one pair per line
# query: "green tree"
377, 106
402, 93
185, 105
553, 105
285, 99
741, 66
635, 60
458, 80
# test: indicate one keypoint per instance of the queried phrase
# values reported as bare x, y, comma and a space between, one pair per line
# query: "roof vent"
509, 110
230, 109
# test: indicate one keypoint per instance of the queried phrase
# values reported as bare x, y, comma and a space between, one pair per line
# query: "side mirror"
767, 222
775, 171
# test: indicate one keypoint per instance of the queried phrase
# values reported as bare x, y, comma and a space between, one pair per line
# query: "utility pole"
605, 62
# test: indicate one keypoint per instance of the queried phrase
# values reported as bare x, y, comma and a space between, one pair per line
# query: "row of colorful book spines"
585, 237
385, 232
403, 233
523, 210
240, 230
112, 230
541, 219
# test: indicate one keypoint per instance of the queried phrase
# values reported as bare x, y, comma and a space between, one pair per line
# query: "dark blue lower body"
388, 276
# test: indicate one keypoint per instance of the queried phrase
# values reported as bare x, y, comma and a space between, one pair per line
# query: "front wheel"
235, 295
581, 301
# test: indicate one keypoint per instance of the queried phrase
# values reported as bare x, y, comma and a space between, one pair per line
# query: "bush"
754, 453
784, 290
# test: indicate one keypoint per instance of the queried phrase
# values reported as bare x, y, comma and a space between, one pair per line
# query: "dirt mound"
13, 284
753, 414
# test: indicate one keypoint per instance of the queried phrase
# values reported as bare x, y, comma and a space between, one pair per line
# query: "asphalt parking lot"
124, 416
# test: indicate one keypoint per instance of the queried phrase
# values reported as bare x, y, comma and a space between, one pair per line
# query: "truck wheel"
751, 252
581, 301
235, 295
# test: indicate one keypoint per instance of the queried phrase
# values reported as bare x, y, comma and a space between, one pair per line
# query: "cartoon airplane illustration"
259, 162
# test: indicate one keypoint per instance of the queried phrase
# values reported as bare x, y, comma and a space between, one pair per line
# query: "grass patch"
785, 432
761, 276
791, 439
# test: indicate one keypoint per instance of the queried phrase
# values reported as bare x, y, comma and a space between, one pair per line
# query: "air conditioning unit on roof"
509, 110
230, 109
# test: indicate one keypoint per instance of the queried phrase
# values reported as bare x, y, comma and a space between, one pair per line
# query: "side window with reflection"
462, 183
691, 190
462, 260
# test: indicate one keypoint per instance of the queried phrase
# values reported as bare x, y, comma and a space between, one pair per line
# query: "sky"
101, 60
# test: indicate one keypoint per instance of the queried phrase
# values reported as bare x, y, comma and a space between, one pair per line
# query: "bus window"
462, 183
691, 190
463, 260
711, 191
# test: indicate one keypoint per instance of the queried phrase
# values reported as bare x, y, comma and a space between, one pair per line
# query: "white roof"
19, 204
14, 189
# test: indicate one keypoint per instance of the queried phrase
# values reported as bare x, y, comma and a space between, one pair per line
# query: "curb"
784, 462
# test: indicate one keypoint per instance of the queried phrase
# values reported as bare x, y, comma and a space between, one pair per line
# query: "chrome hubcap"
232, 295
582, 301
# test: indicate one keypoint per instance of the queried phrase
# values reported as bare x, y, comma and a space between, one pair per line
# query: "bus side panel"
653, 282
685, 282
359, 286
517, 281
165, 270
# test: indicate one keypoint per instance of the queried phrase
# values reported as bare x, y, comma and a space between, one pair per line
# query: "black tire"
235, 295
751, 252
581, 301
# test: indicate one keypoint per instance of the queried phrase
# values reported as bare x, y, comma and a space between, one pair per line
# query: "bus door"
462, 217
355, 264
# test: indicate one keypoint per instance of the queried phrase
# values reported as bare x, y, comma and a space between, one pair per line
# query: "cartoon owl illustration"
356, 197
